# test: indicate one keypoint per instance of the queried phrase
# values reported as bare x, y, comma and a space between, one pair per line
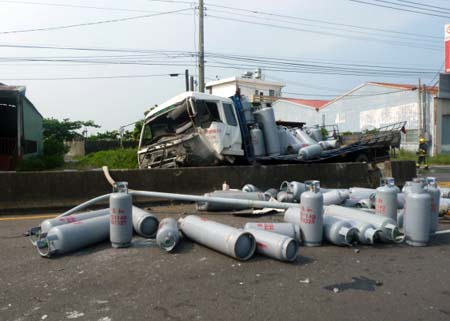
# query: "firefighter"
422, 153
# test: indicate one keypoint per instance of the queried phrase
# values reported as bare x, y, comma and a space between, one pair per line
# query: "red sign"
447, 48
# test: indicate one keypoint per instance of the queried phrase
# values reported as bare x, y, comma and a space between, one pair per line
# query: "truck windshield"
172, 123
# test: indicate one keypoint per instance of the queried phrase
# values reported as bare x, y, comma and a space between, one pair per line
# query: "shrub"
125, 158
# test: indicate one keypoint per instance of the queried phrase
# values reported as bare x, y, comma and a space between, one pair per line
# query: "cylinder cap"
290, 249
120, 187
245, 246
313, 186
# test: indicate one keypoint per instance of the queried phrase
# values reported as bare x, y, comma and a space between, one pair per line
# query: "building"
20, 127
292, 110
250, 84
375, 104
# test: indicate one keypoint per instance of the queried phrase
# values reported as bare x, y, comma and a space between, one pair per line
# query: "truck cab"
191, 129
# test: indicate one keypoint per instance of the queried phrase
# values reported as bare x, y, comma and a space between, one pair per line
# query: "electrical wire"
391, 42
95, 77
93, 23
49, 4
366, 33
411, 6
329, 22
427, 5
400, 9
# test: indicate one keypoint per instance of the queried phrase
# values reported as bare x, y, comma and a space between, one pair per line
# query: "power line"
325, 22
93, 23
95, 77
258, 12
169, 53
392, 42
394, 36
411, 6
74, 6
245, 63
423, 5
400, 9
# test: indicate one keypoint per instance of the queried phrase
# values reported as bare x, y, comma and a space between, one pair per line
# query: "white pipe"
108, 176
85, 204
198, 198
441, 232
195, 198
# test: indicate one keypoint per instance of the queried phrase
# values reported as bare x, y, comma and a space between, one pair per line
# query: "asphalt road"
384, 282
442, 173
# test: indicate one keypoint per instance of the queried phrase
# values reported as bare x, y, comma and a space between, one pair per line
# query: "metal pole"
19, 115
191, 83
419, 99
201, 48
197, 198
186, 78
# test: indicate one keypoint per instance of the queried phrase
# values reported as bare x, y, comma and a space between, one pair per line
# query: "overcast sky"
118, 101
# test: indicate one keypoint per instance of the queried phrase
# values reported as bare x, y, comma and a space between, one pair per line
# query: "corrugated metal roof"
404, 86
314, 103
4, 87
433, 90
8, 91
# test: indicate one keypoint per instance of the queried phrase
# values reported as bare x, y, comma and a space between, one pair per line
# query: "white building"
376, 104
250, 87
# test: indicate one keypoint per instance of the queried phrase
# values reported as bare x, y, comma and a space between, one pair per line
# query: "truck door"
232, 141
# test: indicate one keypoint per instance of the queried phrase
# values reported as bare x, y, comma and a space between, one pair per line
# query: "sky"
130, 66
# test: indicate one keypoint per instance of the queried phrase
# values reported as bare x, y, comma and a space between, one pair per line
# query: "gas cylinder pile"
311, 214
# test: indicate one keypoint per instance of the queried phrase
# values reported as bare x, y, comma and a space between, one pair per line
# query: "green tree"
136, 134
113, 135
65, 129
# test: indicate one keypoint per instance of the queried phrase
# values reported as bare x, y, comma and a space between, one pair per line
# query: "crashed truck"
198, 129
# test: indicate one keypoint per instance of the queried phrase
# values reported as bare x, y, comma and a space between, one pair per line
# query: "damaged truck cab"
191, 129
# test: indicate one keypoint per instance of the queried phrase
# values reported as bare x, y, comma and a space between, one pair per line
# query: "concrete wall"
442, 144
25, 190
76, 148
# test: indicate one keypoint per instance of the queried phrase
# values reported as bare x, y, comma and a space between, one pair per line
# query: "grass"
115, 159
40, 163
441, 159
125, 158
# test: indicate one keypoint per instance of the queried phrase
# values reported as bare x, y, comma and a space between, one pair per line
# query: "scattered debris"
309, 222
74, 315
358, 283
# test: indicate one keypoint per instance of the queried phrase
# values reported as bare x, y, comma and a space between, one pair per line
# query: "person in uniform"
422, 153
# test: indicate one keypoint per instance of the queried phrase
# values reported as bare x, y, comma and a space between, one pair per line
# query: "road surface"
383, 282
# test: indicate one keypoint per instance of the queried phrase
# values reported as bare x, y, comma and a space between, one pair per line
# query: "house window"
271, 93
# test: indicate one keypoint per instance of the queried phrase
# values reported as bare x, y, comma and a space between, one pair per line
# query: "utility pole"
186, 79
201, 49
419, 105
